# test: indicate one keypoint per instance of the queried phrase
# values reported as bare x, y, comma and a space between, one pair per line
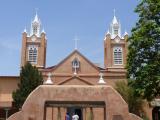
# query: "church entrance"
156, 113
75, 110
57, 110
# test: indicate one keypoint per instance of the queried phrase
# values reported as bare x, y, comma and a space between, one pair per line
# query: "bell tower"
34, 45
115, 46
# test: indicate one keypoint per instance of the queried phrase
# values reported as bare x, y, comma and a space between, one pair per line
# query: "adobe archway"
33, 108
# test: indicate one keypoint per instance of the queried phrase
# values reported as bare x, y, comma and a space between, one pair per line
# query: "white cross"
114, 12
36, 9
76, 41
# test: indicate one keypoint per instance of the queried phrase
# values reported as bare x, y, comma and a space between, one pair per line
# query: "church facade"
74, 85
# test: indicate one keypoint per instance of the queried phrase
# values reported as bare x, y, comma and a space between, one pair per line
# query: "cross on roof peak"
76, 42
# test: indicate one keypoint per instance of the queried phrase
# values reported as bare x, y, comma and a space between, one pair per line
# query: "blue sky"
62, 19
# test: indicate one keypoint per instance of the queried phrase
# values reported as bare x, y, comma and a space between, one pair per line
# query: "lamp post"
6, 111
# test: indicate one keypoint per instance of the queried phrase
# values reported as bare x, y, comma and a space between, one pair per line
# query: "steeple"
31, 52
115, 48
35, 26
115, 27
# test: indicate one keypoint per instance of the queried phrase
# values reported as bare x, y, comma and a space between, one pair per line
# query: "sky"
62, 20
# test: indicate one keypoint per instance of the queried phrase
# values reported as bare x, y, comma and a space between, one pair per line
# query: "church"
74, 85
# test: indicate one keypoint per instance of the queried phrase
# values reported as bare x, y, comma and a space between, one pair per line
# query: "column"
59, 114
49, 113
89, 114
84, 113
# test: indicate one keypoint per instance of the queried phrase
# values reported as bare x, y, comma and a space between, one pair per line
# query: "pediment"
66, 65
75, 81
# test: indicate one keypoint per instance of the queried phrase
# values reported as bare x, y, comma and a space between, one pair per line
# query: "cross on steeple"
114, 12
36, 10
76, 42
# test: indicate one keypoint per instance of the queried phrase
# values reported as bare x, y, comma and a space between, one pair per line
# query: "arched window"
117, 56
75, 63
32, 55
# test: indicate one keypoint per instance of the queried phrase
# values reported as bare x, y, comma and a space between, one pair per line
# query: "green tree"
135, 103
30, 78
143, 62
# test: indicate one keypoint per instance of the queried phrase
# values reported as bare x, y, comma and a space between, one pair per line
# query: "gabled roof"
75, 51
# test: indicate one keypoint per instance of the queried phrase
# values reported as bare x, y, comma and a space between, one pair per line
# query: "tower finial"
125, 32
25, 30
36, 19
114, 21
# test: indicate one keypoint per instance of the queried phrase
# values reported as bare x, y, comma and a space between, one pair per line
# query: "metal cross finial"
36, 9
114, 12
76, 41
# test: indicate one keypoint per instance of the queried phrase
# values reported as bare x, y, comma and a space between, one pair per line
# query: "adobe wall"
8, 84
33, 108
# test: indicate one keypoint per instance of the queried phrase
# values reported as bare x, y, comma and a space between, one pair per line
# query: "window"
116, 32
32, 54
117, 54
35, 30
75, 63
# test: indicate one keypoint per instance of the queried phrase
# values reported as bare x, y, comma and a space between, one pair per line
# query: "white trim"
29, 48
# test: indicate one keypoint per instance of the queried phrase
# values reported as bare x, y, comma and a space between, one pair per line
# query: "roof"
75, 51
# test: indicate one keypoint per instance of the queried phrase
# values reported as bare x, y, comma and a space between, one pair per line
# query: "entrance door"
156, 113
75, 110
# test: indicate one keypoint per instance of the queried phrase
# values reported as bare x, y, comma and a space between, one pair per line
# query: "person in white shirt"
75, 117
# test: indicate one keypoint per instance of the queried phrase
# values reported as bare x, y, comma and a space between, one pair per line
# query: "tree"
143, 62
30, 78
135, 103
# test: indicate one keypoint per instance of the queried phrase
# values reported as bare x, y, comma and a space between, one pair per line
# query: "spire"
43, 31
36, 18
35, 26
115, 27
108, 32
114, 21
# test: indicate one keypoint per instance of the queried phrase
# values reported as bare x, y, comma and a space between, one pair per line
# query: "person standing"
75, 117
67, 117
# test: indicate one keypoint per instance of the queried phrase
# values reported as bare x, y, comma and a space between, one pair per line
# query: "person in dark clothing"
67, 116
